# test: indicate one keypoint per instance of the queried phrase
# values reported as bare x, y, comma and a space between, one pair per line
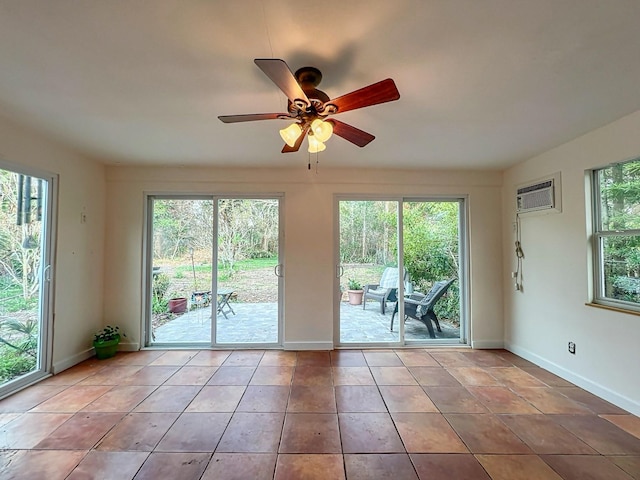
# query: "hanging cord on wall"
519, 256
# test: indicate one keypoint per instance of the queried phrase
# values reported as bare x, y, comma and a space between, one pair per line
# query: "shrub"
14, 364
159, 302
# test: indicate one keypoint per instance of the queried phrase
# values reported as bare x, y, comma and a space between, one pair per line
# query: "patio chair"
386, 290
420, 306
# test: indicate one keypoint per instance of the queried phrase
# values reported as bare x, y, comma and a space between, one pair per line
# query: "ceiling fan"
310, 107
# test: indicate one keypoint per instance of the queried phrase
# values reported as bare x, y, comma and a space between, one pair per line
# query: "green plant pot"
106, 349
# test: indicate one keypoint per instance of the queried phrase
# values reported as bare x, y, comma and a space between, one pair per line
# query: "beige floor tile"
241, 466
406, 398
517, 467
427, 433
369, 466
309, 467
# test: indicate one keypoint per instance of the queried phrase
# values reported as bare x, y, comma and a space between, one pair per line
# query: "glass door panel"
431, 251
181, 277
249, 273
24, 278
428, 284
368, 251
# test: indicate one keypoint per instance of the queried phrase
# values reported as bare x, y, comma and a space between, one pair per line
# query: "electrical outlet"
572, 348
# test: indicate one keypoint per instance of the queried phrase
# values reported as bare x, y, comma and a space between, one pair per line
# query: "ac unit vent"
534, 197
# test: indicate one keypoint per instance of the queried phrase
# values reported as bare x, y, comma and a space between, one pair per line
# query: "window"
616, 239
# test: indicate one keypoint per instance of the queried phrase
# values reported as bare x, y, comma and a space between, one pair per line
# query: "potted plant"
178, 304
355, 291
106, 341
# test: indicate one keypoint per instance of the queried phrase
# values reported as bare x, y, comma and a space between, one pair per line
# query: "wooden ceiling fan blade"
354, 135
250, 117
381, 92
296, 147
280, 74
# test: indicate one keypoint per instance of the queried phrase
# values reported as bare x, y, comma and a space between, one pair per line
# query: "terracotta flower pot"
355, 297
178, 305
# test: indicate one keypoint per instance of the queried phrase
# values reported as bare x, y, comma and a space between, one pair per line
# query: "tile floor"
347, 414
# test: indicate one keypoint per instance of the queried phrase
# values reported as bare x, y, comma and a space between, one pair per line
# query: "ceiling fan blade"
253, 116
381, 92
280, 74
354, 135
296, 147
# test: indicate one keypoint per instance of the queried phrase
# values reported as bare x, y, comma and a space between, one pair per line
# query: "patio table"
224, 295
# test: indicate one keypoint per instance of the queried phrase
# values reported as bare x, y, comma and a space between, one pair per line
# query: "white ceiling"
483, 83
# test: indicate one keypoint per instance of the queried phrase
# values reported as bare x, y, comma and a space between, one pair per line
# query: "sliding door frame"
147, 237
46, 306
463, 271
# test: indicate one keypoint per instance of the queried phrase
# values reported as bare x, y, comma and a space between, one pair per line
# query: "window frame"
599, 235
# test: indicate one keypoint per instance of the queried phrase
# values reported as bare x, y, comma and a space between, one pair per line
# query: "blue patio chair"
387, 289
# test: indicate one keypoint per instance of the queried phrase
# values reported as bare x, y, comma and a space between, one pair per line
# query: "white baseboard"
308, 346
69, 362
617, 399
128, 346
487, 344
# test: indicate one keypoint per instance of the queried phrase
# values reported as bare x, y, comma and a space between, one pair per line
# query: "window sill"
613, 309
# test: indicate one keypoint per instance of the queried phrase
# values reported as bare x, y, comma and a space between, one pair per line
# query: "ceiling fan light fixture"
322, 130
315, 145
291, 134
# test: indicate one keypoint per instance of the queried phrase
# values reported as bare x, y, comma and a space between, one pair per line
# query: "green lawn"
241, 265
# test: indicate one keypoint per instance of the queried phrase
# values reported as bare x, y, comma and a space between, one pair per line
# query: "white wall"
552, 310
309, 237
80, 247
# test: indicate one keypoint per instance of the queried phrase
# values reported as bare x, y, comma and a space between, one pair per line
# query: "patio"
254, 323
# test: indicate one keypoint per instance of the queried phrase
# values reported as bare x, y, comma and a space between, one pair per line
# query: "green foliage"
260, 254
19, 247
20, 336
627, 289
14, 364
367, 230
354, 284
619, 187
431, 249
159, 302
257, 263
107, 334
13, 299
18, 348
368, 235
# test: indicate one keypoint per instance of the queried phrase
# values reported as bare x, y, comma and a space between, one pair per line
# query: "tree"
19, 244
620, 212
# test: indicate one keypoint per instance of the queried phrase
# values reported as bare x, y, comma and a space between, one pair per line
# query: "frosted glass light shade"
314, 145
322, 130
291, 134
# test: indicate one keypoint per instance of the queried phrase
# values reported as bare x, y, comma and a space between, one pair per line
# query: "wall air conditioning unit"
541, 196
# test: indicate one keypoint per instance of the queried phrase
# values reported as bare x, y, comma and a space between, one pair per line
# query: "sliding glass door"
215, 276
387, 302
25, 277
